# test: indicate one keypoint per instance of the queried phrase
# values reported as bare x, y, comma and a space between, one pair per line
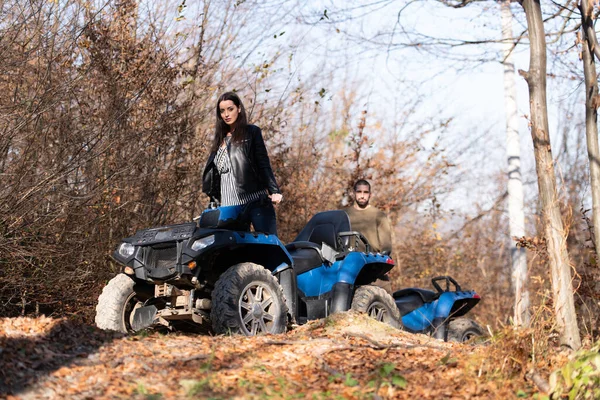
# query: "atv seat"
410, 299
307, 249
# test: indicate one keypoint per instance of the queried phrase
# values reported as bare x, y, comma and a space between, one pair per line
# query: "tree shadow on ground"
26, 360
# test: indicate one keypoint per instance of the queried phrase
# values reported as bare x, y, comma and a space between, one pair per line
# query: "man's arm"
384, 232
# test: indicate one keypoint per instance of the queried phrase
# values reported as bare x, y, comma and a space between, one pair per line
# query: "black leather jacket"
249, 164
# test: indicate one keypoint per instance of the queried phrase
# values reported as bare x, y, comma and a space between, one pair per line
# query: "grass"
141, 390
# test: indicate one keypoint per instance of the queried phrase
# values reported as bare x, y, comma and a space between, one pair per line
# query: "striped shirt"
229, 190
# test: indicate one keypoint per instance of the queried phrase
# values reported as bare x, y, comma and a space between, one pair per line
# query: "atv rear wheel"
116, 304
377, 304
463, 329
247, 299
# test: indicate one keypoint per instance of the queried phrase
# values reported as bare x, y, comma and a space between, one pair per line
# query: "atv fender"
342, 297
446, 308
286, 276
357, 263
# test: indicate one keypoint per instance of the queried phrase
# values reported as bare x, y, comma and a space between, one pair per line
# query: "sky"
472, 95
471, 92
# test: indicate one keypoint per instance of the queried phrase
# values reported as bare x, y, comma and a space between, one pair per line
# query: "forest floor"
346, 356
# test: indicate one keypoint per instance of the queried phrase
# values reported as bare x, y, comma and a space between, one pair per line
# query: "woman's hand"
276, 198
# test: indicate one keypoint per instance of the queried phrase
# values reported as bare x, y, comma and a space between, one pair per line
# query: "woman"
238, 171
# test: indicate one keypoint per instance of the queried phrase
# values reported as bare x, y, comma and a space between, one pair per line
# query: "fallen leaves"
344, 356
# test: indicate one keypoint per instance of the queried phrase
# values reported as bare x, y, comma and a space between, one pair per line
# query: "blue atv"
439, 313
215, 275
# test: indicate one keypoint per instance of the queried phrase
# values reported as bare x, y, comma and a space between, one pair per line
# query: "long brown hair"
221, 128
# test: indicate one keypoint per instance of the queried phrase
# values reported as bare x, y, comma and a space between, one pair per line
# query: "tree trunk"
558, 255
516, 215
591, 114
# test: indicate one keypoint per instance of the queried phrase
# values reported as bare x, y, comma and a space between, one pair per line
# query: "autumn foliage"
107, 115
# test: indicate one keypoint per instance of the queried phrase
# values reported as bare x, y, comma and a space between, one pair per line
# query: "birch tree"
516, 214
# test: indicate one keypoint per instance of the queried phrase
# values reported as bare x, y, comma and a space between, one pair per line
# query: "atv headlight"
203, 243
126, 250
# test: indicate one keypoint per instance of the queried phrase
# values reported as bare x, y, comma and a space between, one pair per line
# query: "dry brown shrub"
96, 146
105, 131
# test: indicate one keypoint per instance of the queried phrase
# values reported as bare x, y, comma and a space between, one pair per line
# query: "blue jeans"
262, 216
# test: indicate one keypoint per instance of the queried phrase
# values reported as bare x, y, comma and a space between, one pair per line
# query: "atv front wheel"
377, 304
463, 329
116, 304
247, 299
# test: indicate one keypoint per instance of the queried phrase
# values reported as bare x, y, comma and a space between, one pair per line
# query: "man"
368, 220
372, 223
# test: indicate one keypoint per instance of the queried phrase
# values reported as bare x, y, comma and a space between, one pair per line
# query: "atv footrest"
143, 317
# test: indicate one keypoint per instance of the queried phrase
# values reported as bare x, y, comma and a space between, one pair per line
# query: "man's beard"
363, 205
